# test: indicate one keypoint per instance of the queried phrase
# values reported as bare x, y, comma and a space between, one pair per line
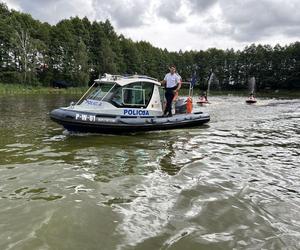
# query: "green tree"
131, 56
81, 67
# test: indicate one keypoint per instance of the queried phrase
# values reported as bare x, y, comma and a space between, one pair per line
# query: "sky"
181, 24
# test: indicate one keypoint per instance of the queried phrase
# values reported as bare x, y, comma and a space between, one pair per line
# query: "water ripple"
233, 184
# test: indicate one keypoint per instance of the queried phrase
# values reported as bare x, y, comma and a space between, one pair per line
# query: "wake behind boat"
122, 104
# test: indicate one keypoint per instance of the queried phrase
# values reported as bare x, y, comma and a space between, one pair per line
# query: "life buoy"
189, 105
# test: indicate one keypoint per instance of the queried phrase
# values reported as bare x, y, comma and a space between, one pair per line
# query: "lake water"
232, 184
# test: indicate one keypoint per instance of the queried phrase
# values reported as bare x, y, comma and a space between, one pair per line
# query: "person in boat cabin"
172, 82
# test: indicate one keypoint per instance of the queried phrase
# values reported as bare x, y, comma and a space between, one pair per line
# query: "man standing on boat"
172, 82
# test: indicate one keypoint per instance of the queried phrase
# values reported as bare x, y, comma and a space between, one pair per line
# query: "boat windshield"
137, 94
102, 90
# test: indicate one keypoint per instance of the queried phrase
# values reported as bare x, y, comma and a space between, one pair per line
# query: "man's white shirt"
172, 80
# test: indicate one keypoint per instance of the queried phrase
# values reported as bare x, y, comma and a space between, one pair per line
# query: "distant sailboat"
251, 99
203, 98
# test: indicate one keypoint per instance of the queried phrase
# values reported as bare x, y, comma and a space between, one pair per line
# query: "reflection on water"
231, 184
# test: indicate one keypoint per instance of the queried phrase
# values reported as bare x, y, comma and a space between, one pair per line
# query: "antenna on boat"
189, 101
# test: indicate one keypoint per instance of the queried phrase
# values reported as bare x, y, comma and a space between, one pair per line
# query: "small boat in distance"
203, 99
123, 104
251, 99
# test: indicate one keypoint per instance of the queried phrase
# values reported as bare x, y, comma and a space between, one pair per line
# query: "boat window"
135, 95
102, 90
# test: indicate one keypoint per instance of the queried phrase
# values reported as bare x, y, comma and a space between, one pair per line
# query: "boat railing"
118, 77
142, 77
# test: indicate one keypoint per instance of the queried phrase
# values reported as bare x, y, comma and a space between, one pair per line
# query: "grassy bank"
15, 89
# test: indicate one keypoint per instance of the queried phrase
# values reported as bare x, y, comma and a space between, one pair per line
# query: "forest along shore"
76, 51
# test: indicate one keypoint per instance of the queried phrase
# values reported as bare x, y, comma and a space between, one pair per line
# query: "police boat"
124, 104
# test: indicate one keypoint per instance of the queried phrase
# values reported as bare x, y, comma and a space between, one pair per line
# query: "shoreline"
17, 89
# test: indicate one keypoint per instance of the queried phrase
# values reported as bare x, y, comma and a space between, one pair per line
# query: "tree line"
77, 51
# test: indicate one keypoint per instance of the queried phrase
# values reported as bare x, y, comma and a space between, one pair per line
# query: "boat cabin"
123, 95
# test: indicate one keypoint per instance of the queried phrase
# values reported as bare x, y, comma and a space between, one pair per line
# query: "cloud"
251, 20
53, 11
11, 4
207, 22
171, 10
123, 13
247, 20
198, 6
